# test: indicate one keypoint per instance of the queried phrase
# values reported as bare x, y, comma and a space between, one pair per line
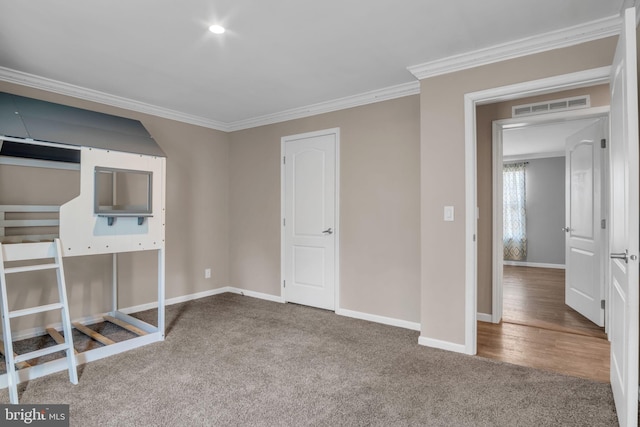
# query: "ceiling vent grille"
551, 106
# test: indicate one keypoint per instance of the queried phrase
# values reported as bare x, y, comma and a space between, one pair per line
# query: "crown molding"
37, 82
527, 46
391, 92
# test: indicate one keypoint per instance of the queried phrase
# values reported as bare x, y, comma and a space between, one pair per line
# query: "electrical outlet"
207, 273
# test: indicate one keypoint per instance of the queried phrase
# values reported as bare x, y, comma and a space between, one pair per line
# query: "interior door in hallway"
584, 284
309, 232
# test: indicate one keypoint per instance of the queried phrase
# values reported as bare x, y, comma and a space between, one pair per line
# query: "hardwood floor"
538, 330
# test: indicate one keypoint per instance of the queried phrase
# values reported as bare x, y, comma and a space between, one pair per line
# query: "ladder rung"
34, 310
30, 268
42, 352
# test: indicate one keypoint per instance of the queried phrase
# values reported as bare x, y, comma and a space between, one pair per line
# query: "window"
514, 216
121, 192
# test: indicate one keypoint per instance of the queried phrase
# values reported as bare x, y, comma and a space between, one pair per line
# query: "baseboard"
484, 317
442, 345
175, 300
414, 326
254, 294
534, 264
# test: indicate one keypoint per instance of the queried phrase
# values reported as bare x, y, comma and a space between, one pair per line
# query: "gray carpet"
234, 360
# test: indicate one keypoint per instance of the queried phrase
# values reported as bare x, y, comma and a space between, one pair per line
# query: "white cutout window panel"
553, 106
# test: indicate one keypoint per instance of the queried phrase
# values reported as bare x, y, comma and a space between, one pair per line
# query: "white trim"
338, 230
175, 300
471, 100
378, 95
471, 225
584, 78
442, 345
254, 294
534, 264
414, 326
582, 33
484, 317
496, 221
62, 88
532, 156
30, 80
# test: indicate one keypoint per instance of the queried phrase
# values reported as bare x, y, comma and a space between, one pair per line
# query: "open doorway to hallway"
532, 325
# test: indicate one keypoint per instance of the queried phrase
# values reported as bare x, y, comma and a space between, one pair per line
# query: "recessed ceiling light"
217, 29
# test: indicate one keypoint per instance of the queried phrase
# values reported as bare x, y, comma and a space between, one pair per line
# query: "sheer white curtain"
514, 213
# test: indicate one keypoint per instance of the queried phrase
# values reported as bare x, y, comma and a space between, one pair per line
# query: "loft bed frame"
82, 226
144, 333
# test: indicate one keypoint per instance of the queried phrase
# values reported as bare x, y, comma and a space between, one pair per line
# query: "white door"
584, 283
309, 218
624, 225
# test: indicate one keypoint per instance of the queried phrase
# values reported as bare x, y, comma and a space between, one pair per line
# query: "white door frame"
471, 100
498, 127
336, 228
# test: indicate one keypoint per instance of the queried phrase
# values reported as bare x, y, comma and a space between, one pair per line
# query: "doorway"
532, 288
558, 219
310, 230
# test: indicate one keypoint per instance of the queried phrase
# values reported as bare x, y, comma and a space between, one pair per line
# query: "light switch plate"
448, 213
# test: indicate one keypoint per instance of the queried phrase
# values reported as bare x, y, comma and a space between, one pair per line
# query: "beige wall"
197, 218
442, 172
379, 206
485, 115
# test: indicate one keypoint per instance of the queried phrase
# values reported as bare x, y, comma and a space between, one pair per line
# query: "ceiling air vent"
551, 106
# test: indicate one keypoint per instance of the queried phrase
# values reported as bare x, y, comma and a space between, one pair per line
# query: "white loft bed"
84, 226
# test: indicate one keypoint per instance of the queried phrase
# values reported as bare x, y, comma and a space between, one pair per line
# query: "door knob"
566, 229
328, 231
621, 255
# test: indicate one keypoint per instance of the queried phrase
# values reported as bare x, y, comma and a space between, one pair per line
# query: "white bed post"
114, 283
161, 273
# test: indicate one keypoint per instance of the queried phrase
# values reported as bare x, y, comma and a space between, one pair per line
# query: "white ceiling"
540, 140
275, 56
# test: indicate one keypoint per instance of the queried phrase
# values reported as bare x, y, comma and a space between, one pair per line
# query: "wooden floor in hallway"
538, 330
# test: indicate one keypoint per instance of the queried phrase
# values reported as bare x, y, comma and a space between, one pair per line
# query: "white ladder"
24, 252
